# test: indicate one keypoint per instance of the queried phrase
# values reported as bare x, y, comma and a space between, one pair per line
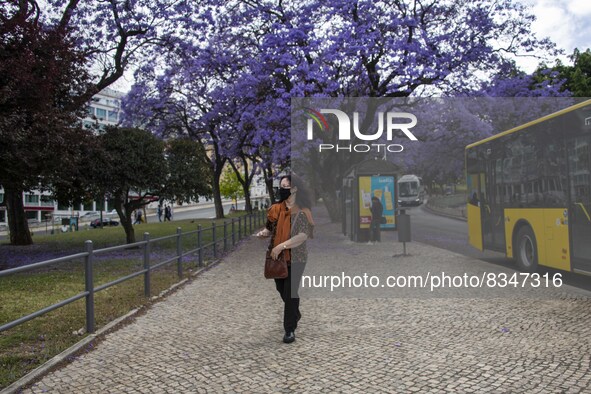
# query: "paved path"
222, 333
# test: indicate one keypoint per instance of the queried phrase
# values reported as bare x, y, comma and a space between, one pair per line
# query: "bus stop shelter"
370, 178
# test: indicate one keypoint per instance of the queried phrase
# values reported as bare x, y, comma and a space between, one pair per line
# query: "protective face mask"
284, 194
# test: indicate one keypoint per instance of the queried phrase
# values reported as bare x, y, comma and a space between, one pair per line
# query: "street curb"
48, 366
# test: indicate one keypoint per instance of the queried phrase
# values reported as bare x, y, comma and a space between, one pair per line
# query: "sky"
566, 22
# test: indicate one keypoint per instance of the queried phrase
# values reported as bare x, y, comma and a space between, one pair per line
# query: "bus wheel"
527, 250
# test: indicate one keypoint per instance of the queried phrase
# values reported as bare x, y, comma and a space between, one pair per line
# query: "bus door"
475, 184
493, 219
485, 209
579, 212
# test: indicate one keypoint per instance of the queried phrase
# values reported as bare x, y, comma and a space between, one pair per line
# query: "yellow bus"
529, 191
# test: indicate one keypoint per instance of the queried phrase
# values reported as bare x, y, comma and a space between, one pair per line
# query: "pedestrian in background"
376, 220
138, 216
159, 212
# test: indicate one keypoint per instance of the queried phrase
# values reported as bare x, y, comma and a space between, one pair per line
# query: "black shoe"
289, 337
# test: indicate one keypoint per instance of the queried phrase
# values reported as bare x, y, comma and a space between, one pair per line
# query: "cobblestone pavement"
222, 333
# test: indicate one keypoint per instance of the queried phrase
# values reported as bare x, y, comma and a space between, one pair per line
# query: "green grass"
26, 346
109, 236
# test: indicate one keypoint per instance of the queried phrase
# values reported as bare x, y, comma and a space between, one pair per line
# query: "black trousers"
288, 289
376, 231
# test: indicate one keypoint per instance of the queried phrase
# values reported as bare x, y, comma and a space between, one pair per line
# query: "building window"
112, 116
110, 204
101, 113
47, 201
31, 199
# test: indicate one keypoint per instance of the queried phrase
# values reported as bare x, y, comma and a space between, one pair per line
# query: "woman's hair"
303, 199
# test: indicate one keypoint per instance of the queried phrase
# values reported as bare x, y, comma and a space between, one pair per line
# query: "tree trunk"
125, 215
332, 206
128, 227
217, 196
17, 219
245, 181
268, 174
329, 183
247, 202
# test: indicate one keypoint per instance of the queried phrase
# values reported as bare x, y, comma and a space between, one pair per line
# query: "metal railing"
240, 227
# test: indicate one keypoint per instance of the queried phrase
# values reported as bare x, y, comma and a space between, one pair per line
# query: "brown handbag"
277, 269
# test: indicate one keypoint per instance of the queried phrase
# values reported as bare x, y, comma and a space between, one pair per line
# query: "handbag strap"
290, 231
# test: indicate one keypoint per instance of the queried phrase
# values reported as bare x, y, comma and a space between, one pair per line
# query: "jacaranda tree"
254, 56
380, 49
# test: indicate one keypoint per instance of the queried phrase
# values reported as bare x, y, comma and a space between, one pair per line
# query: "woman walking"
290, 224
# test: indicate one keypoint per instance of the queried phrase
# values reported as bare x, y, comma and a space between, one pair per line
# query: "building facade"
103, 110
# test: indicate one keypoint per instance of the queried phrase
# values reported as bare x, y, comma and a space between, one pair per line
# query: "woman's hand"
263, 233
276, 251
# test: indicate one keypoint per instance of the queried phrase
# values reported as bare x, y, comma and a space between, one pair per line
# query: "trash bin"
403, 221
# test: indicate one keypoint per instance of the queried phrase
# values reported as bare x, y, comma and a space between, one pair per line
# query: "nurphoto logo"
390, 122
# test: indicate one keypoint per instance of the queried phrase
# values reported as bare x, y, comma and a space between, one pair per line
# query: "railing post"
240, 227
89, 287
199, 243
225, 236
147, 265
250, 223
233, 233
214, 239
179, 252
